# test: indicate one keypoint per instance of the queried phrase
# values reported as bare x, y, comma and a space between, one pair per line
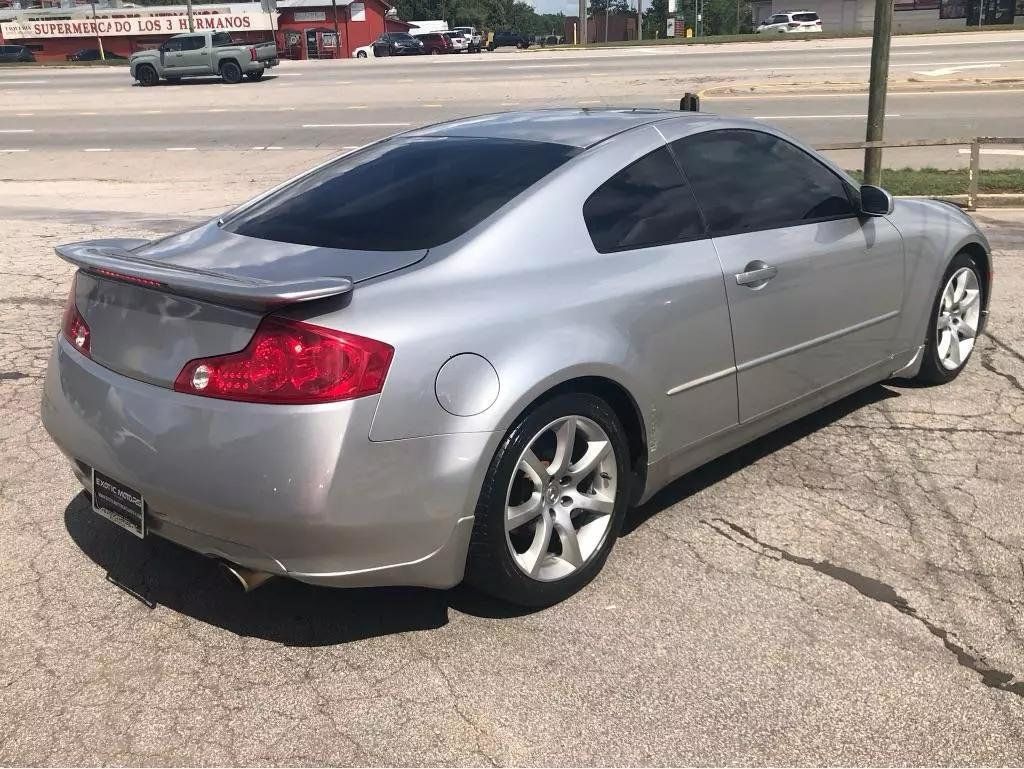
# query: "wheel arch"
983, 259
622, 403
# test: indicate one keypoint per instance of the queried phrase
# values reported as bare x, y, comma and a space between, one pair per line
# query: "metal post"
877, 90
191, 22
99, 40
972, 179
337, 30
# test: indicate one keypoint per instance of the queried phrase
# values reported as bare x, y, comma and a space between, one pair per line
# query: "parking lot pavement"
846, 590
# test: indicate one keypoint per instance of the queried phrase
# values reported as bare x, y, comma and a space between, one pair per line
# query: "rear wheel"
230, 72
954, 322
146, 75
255, 76
552, 502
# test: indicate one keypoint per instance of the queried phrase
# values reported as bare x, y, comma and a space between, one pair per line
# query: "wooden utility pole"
99, 40
583, 22
337, 29
877, 90
191, 22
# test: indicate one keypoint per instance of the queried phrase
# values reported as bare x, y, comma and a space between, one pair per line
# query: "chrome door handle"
756, 274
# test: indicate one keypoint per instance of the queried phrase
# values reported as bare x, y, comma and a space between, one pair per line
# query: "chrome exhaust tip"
248, 579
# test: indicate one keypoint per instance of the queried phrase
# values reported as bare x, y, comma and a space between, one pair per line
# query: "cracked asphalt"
847, 590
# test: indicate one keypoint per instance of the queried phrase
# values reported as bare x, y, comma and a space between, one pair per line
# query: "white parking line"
547, 66
17, 130
1011, 153
152, 112
7, 151
97, 149
22, 82
355, 125
269, 147
814, 117
593, 101
82, 114
509, 103
24, 114
356, 106
430, 105
289, 74
214, 110
180, 149
279, 109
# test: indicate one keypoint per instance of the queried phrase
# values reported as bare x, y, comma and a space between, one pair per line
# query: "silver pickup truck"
198, 54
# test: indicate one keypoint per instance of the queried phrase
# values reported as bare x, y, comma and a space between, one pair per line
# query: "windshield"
401, 194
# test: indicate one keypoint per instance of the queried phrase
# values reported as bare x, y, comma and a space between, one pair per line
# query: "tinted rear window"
402, 195
805, 17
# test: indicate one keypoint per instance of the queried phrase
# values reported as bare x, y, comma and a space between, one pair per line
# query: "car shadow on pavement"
721, 468
282, 610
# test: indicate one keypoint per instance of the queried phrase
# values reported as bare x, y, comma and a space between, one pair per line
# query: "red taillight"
291, 362
73, 325
252, 54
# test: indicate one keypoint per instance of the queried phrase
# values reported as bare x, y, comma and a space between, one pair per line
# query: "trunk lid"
152, 307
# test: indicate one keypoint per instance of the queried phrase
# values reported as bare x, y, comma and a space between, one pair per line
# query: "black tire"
146, 75
255, 76
490, 566
230, 73
491, 47
932, 371
361, 55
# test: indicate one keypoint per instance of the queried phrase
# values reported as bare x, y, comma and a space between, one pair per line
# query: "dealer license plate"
119, 503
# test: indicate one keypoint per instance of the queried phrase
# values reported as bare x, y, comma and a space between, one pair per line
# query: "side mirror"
874, 201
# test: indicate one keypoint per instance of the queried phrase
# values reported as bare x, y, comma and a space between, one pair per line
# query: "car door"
194, 56
815, 288
678, 316
171, 57
381, 46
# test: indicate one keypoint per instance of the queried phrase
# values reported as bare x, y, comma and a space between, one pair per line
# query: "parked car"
93, 54
436, 42
225, 389
472, 36
364, 52
791, 22
459, 43
508, 38
15, 53
553, 40
397, 44
201, 54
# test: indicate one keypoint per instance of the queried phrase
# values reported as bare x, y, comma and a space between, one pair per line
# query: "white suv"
472, 37
791, 21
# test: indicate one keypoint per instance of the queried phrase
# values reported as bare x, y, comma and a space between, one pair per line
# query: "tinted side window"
645, 204
403, 194
193, 43
220, 39
174, 44
749, 180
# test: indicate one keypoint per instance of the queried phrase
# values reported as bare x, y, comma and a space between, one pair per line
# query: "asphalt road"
952, 85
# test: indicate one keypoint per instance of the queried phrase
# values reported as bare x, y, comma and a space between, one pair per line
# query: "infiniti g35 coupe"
371, 376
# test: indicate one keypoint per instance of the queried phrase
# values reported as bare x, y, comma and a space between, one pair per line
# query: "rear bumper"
298, 491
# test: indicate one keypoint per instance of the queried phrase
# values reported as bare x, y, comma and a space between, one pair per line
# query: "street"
846, 590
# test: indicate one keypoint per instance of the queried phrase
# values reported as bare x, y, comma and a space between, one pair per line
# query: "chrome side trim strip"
701, 381
814, 342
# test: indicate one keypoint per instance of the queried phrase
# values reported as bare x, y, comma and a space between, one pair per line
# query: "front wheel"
361, 55
147, 76
255, 76
954, 322
230, 73
552, 502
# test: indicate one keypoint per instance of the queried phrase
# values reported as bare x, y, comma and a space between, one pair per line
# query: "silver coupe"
382, 372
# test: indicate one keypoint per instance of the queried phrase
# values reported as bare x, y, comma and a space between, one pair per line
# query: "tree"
656, 19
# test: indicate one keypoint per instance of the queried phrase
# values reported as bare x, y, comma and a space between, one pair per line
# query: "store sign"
311, 16
170, 24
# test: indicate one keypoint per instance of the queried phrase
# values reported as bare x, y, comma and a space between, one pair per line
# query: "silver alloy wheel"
565, 484
957, 324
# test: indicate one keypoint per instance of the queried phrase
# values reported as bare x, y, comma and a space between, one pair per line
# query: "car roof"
574, 127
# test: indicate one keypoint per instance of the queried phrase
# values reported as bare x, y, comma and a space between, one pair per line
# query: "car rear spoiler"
115, 260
